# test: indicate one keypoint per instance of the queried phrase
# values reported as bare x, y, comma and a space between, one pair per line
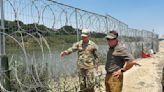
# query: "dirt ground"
148, 76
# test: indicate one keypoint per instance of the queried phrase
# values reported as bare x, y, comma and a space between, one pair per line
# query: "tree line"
12, 26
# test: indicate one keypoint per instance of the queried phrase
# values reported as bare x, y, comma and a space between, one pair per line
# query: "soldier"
119, 60
87, 60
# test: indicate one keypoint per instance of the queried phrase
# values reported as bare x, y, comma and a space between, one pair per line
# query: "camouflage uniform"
116, 58
87, 58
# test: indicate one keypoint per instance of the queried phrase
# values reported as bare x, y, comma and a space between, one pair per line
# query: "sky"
137, 14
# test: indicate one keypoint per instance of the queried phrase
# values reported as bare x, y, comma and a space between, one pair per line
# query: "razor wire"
37, 31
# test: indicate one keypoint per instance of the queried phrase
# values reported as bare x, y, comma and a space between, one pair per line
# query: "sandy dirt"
148, 76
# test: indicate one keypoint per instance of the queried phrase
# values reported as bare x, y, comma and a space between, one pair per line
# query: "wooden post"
6, 72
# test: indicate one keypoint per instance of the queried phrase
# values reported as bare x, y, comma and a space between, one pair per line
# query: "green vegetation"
54, 37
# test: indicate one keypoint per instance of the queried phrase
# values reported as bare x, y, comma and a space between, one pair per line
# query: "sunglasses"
110, 39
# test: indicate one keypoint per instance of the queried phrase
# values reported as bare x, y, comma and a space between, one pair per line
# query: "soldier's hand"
62, 54
117, 73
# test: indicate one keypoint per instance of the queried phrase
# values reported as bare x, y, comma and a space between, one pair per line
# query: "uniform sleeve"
73, 48
128, 56
95, 46
95, 53
96, 56
124, 53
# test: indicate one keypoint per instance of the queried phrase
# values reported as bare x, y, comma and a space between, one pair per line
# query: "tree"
67, 30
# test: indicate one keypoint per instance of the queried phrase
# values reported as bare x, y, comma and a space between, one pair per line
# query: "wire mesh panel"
37, 31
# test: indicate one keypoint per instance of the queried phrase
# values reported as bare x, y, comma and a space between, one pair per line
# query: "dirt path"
148, 76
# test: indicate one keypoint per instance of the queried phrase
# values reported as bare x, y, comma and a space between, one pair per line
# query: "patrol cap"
112, 35
85, 32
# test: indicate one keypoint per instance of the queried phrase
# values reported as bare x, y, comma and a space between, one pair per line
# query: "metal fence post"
77, 29
152, 40
106, 18
3, 58
6, 72
2, 27
142, 47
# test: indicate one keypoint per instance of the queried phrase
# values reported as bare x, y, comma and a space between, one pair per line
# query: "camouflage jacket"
87, 57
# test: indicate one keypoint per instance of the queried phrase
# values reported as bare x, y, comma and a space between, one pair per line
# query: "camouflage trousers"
113, 84
86, 78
